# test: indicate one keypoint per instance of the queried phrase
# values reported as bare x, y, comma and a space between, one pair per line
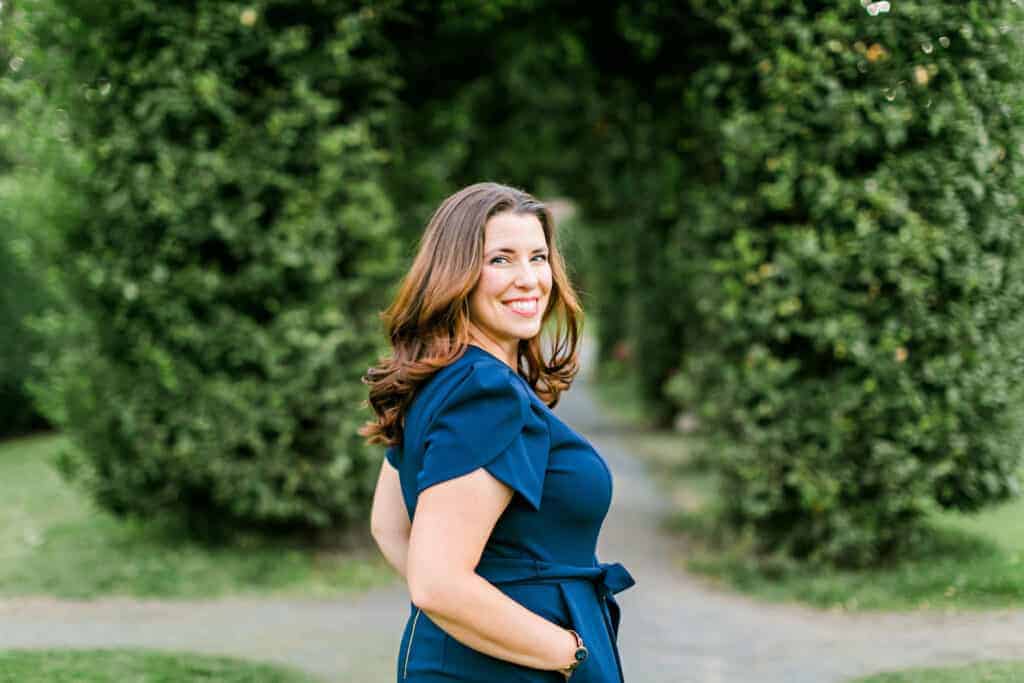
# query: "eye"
495, 259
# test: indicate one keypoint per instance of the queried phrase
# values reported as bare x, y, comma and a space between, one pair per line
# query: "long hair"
427, 323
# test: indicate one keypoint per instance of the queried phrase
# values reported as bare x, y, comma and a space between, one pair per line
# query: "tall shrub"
224, 282
862, 304
32, 156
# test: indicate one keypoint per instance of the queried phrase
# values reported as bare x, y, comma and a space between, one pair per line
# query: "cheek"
495, 282
546, 278
491, 284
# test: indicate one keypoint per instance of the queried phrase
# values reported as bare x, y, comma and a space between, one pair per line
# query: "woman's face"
515, 268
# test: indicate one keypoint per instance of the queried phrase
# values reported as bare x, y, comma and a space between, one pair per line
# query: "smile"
524, 307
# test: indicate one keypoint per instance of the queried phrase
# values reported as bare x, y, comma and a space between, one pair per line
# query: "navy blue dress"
478, 412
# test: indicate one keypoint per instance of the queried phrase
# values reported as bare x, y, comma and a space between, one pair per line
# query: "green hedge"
803, 220
741, 174
862, 305
20, 297
224, 280
31, 153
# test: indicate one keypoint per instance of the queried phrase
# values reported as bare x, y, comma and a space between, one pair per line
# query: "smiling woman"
514, 285
487, 502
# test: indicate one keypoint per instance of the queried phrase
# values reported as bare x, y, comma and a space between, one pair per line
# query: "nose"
526, 276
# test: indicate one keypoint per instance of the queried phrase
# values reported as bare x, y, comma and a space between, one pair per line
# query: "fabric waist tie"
607, 577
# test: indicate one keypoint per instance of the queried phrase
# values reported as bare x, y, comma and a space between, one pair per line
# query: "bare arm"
452, 524
389, 520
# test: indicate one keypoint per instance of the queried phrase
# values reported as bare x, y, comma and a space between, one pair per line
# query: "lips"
527, 311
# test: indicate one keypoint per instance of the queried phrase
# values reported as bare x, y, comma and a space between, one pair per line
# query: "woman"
505, 500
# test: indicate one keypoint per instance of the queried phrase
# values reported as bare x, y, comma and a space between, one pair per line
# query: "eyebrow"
507, 250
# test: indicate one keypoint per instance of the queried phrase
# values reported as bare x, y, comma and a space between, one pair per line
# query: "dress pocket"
587, 618
543, 599
467, 664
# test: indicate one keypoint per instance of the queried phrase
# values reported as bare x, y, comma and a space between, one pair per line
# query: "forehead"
513, 231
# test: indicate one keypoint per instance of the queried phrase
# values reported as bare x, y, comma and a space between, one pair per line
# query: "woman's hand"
571, 657
452, 523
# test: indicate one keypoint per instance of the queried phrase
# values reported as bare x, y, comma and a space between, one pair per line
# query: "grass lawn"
987, 672
970, 561
53, 542
137, 666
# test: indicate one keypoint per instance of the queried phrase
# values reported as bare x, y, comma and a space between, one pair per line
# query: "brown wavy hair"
427, 323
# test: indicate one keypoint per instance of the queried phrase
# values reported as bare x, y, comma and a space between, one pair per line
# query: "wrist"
578, 654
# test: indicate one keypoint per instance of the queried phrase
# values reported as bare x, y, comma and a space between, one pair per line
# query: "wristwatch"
578, 656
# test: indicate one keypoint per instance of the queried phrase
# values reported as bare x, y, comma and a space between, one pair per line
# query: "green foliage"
862, 270
19, 297
56, 543
799, 221
980, 672
767, 232
99, 666
946, 570
958, 562
559, 100
223, 279
26, 188
495, 100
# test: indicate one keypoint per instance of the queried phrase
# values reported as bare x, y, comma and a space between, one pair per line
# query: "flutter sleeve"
488, 421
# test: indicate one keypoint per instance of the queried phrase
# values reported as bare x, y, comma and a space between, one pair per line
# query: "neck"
508, 356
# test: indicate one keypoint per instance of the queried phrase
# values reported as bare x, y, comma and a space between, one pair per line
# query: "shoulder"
480, 398
482, 382
472, 377
486, 419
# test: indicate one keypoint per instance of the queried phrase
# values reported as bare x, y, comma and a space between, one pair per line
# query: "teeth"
524, 306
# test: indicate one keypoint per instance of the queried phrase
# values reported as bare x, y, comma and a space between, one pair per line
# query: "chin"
520, 335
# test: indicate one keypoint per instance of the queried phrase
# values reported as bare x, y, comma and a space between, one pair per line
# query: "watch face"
581, 654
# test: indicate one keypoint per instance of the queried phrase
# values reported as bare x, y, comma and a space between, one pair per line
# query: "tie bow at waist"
607, 577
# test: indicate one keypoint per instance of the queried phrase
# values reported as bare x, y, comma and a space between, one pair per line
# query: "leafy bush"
805, 224
223, 281
862, 305
19, 297
23, 290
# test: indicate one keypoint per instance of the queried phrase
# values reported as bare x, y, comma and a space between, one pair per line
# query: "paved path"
674, 628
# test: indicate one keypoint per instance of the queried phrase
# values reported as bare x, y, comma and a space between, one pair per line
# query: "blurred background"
796, 228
